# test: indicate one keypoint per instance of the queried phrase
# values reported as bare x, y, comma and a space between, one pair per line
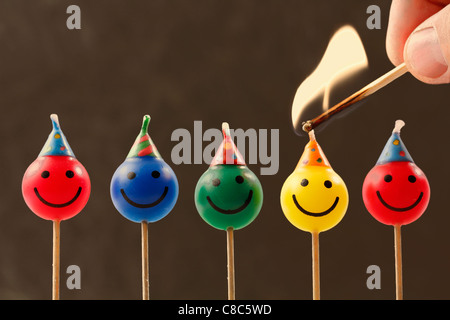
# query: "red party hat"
227, 153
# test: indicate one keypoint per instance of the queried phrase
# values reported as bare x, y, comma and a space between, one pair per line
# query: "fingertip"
394, 53
404, 18
427, 50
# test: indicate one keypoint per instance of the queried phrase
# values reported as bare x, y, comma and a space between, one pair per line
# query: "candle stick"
398, 262
315, 265
144, 248
144, 189
56, 187
228, 196
396, 192
230, 255
314, 199
56, 259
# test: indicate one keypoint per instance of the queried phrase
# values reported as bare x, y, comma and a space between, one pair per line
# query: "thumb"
427, 50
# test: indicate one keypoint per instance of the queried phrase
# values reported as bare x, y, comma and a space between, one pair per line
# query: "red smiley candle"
56, 187
396, 192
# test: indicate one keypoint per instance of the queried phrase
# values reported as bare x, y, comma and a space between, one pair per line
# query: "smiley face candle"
56, 187
228, 196
396, 192
144, 189
314, 198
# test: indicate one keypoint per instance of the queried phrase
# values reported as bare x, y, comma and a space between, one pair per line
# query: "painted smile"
315, 214
399, 209
231, 211
57, 205
147, 205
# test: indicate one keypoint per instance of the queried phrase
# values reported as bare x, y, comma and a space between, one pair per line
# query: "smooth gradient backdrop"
239, 61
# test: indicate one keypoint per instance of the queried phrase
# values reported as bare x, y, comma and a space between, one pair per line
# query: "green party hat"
144, 146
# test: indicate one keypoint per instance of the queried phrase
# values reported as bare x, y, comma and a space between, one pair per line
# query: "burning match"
344, 57
371, 88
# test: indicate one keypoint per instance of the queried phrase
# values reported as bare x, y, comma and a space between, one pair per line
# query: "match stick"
144, 242
230, 260
315, 265
398, 262
357, 96
56, 259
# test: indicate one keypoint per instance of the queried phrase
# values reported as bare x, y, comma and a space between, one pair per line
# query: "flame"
344, 56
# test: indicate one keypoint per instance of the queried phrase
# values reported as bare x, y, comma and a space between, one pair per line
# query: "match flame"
344, 56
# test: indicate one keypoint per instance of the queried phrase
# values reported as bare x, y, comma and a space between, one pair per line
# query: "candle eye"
69, 174
131, 175
412, 179
155, 174
328, 184
45, 174
388, 178
304, 182
239, 179
216, 182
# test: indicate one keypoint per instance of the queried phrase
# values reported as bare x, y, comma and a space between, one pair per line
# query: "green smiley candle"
228, 196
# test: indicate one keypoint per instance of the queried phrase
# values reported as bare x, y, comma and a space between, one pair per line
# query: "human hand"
419, 34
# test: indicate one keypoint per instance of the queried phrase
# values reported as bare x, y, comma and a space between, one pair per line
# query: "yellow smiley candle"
314, 198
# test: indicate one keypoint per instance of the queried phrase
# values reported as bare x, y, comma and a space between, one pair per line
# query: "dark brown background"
239, 61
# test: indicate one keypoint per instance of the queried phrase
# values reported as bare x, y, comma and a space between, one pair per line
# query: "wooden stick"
357, 96
315, 265
144, 242
55, 265
398, 263
230, 262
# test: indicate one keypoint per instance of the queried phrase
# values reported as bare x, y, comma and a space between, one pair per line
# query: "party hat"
227, 153
395, 150
56, 144
313, 154
144, 146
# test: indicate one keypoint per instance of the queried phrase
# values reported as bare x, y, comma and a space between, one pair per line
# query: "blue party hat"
395, 149
56, 144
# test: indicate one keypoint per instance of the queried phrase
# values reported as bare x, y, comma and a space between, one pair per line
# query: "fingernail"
425, 55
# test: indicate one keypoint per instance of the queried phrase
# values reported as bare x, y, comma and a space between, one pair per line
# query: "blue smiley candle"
144, 189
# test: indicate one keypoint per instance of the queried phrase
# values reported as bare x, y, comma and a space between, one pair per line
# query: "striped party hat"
144, 146
227, 153
56, 144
